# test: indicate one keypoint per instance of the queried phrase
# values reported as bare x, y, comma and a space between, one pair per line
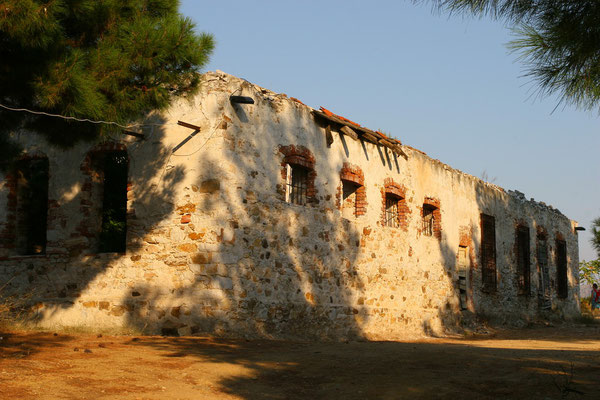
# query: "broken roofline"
354, 130
351, 129
378, 138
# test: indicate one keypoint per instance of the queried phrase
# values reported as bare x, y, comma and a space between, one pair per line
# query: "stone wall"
213, 246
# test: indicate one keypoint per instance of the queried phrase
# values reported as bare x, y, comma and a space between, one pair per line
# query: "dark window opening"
391, 210
523, 260
32, 206
428, 219
113, 234
463, 267
488, 252
297, 184
544, 294
349, 199
562, 287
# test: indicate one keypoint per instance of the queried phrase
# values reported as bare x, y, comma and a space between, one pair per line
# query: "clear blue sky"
445, 85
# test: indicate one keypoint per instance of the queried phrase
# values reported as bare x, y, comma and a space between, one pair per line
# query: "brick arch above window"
87, 166
297, 155
352, 173
394, 202
32, 155
300, 163
394, 188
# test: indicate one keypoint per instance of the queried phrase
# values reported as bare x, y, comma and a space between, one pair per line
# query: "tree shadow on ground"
381, 370
25, 345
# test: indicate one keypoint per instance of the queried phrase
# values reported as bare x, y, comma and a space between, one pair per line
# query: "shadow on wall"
459, 310
220, 256
466, 280
55, 281
508, 302
251, 265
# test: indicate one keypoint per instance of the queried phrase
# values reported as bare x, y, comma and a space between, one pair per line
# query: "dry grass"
14, 310
85, 330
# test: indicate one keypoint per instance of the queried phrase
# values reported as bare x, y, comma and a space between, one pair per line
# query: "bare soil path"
531, 363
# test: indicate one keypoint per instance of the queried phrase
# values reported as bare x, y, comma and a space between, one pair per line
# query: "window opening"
32, 206
349, 199
391, 210
562, 287
114, 202
544, 295
428, 219
488, 252
297, 184
523, 263
463, 264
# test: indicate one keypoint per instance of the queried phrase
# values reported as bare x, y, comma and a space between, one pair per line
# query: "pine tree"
558, 41
111, 60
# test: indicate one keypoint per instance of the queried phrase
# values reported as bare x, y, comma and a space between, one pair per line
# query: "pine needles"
558, 41
111, 60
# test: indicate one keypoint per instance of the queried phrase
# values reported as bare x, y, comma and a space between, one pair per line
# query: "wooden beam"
334, 119
187, 139
328, 136
369, 137
386, 143
349, 132
184, 141
364, 133
134, 134
241, 100
195, 127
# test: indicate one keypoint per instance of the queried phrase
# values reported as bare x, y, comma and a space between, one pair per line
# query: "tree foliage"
589, 271
596, 235
558, 41
111, 60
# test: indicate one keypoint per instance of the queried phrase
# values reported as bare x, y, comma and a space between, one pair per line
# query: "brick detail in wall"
299, 155
352, 173
396, 189
437, 215
87, 166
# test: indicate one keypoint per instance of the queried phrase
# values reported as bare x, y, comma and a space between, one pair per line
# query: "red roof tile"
296, 100
330, 114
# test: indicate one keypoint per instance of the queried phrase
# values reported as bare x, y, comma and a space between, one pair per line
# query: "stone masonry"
215, 245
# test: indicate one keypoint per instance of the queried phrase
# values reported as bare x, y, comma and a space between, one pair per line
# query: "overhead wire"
92, 121
171, 154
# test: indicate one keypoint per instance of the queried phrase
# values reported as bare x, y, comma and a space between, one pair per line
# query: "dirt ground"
534, 363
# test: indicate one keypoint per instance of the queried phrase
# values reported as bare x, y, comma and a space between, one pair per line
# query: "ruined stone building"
242, 212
